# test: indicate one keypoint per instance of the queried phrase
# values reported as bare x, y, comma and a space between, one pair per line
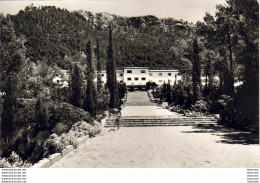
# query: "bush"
58, 112
200, 106
67, 114
82, 128
69, 139
60, 128
14, 161
96, 129
53, 145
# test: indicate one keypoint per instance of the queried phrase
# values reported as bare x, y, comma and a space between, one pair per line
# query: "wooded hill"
57, 36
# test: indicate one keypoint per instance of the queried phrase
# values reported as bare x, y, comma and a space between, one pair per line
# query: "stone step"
124, 122
146, 121
143, 125
166, 118
161, 121
176, 122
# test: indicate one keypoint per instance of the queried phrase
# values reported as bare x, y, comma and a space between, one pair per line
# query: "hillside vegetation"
57, 36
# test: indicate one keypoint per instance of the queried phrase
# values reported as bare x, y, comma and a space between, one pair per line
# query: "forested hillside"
218, 60
57, 36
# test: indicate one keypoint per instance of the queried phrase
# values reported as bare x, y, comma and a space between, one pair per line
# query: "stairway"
147, 121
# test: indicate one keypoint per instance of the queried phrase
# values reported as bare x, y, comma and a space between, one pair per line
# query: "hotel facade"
139, 76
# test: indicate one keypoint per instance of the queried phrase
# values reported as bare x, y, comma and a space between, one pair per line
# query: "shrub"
82, 129
113, 110
58, 112
14, 161
53, 145
200, 106
69, 139
68, 114
33, 143
4, 163
60, 128
96, 129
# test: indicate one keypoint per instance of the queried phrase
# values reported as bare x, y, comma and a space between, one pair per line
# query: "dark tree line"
225, 52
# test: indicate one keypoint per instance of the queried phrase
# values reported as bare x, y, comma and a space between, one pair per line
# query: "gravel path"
147, 111
138, 99
139, 104
156, 147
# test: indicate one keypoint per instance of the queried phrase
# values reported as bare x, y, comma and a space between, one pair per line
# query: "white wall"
123, 75
161, 76
137, 77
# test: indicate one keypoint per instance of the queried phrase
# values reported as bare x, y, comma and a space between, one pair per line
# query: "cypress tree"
169, 93
42, 116
111, 74
12, 55
76, 87
196, 71
91, 94
99, 77
9, 106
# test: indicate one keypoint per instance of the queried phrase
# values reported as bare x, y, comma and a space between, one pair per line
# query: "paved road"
159, 147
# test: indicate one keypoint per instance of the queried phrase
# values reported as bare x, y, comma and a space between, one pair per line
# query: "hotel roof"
135, 67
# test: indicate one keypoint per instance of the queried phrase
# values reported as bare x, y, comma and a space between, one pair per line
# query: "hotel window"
143, 79
121, 74
160, 81
150, 74
169, 74
129, 79
143, 71
129, 71
102, 75
160, 74
136, 79
58, 81
121, 81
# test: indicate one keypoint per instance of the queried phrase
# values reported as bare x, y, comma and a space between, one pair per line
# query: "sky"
189, 10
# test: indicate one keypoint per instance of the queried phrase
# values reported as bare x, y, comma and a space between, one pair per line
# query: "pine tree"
76, 85
90, 102
111, 74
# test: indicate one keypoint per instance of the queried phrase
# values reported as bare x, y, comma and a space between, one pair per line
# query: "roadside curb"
52, 159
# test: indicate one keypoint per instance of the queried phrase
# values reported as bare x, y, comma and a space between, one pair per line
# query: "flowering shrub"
60, 128
96, 129
200, 106
4, 163
69, 139
176, 108
82, 129
53, 145
56, 143
14, 161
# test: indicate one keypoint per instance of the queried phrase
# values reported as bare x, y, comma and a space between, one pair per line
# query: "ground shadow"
228, 135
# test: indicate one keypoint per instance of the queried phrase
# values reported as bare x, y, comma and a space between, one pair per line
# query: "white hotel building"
136, 76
